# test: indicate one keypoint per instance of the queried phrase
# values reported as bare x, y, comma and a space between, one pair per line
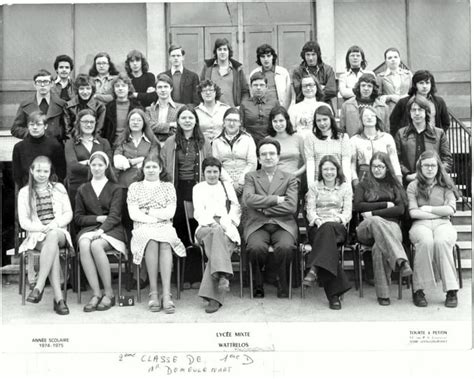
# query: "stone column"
157, 53
325, 31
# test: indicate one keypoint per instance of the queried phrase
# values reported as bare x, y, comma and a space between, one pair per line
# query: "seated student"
151, 205
36, 143
381, 201
395, 81
313, 64
185, 81
83, 143
302, 113
278, 77
46, 102
420, 136
217, 211
162, 113
83, 98
328, 210
133, 146
98, 215
44, 212
355, 66
326, 139
271, 197
210, 111
256, 109
366, 95
63, 86
227, 73
117, 110
143, 81
422, 84
102, 73
368, 141
431, 202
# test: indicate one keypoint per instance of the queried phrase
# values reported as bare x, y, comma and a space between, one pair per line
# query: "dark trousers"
284, 246
325, 242
192, 269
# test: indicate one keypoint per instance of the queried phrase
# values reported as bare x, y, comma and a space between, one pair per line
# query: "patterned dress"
154, 195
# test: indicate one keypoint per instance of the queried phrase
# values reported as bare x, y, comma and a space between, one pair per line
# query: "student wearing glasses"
48, 103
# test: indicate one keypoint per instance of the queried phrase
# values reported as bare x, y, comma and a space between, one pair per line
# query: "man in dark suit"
271, 197
185, 82
46, 102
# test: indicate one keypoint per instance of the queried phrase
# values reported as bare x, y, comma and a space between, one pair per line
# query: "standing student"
227, 73
313, 64
35, 144
278, 77
63, 85
185, 81
102, 73
143, 81
45, 102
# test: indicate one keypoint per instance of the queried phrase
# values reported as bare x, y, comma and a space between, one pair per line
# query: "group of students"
130, 155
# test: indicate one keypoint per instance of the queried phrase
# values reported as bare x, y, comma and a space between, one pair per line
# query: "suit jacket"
110, 120
187, 88
260, 196
55, 117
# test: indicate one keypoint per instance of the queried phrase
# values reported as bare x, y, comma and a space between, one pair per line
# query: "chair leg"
251, 279
139, 295
400, 279
66, 263
359, 258
241, 276
78, 273
302, 270
290, 287
120, 276
458, 254
23, 277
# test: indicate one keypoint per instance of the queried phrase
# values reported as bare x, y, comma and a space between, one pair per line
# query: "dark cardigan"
89, 206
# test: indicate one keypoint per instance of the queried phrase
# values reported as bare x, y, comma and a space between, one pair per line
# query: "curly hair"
266, 49
311, 46
123, 77
208, 83
136, 55
367, 78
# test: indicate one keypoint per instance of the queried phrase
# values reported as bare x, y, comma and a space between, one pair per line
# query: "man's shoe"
35, 296
405, 269
60, 307
419, 299
213, 306
383, 301
282, 289
451, 299
335, 303
258, 292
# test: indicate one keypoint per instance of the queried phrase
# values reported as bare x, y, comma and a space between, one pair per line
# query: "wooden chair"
189, 212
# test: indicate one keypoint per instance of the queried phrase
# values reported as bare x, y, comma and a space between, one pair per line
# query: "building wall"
431, 34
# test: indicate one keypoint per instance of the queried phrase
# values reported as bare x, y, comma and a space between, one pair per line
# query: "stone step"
462, 218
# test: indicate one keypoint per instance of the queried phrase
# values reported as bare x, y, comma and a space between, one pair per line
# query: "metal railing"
459, 137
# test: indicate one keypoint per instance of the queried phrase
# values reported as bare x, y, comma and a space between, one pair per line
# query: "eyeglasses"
379, 167
101, 63
230, 121
42, 82
87, 122
312, 85
429, 166
208, 90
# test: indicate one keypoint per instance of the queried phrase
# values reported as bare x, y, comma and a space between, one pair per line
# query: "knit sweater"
24, 152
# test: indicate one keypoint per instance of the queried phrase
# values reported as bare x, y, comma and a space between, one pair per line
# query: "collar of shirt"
180, 69
389, 72
47, 98
258, 100
378, 134
89, 139
323, 186
171, 103
216, 64
144, 137
58, 79
271, 70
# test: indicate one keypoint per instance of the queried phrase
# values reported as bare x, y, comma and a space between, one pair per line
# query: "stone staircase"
462, 221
